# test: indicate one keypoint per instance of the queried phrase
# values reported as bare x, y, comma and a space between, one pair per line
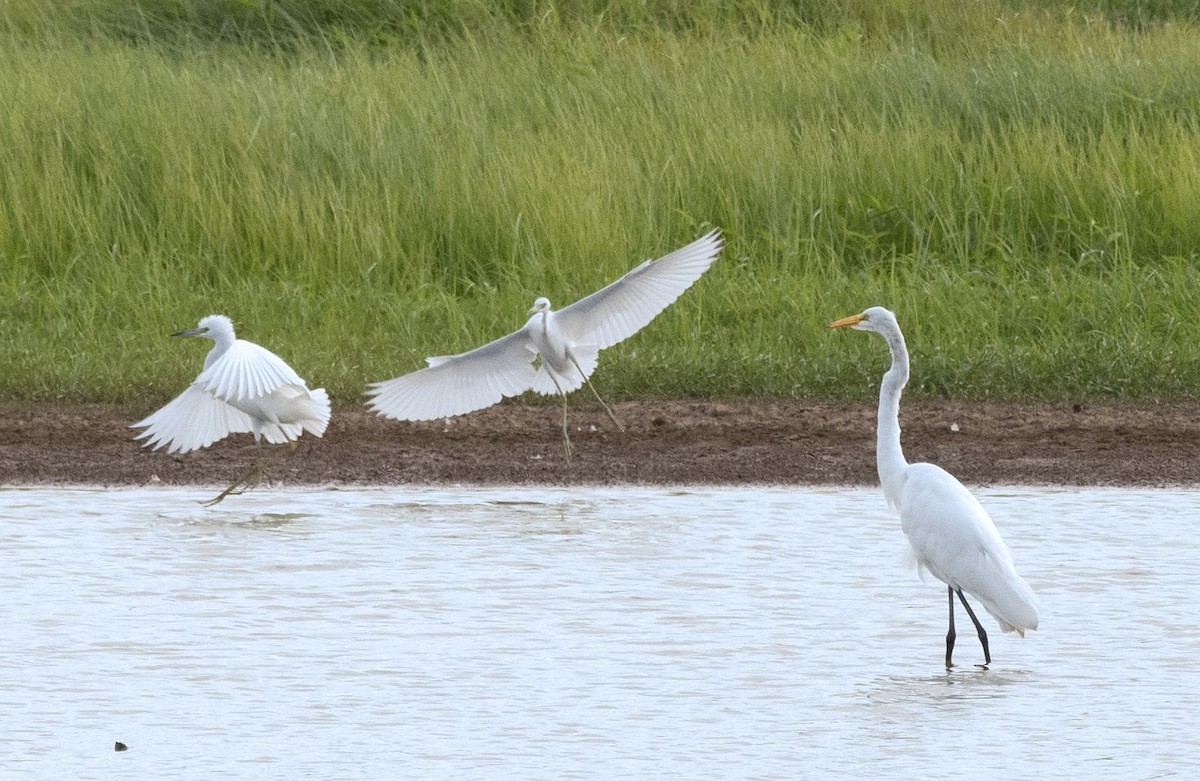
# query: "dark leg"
987, 657
252, 478
566, 436
950, 634
611, 416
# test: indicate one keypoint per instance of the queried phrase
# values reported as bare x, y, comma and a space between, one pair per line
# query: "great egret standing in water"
949, 532
243, 388
568, 342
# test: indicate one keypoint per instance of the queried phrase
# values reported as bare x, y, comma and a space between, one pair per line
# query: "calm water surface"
582, 633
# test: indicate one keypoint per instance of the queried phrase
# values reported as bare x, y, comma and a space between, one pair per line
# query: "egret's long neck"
223, 342
889, 457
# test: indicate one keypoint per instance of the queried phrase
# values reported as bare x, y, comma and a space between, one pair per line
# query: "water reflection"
259, 521
581, 633
964, 683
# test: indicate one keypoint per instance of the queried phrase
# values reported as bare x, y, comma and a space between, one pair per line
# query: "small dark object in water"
120, 747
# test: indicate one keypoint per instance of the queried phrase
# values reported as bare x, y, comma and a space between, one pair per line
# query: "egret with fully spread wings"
243, 388
949, 532
567, 341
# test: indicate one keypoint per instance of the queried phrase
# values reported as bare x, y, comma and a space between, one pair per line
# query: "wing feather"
458, 384
618, 311
247, 371
192, 420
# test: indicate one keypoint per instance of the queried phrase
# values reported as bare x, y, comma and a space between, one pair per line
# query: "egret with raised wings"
566, 344
949, 532
243, 388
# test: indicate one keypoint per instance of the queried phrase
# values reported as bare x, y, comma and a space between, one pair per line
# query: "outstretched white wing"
458, 384
247, 371
192, 420
618, 311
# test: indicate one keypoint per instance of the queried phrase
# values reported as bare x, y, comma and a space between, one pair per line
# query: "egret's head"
875, 319
541, 304
212, 327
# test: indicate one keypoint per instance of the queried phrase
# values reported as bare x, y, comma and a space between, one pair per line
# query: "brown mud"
664, 443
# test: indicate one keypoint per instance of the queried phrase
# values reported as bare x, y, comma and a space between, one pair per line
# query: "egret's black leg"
987, 656
950, 634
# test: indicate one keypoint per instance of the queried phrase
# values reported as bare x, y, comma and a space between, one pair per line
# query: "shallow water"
583, 633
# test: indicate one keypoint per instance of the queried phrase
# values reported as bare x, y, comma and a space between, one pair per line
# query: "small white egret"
950, 533
568, 342
243, 388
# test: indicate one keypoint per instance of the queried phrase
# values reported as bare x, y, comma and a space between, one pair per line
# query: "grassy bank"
1020, 182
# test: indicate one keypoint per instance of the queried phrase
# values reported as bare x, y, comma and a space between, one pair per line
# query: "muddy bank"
671, 442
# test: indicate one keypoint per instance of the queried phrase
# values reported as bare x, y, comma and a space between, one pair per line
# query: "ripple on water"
580, 633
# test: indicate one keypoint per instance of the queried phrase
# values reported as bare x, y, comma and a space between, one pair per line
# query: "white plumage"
948, 531
953, 537
568, 342
242, 388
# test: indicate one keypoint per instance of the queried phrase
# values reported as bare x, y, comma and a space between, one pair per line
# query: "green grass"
359, 185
